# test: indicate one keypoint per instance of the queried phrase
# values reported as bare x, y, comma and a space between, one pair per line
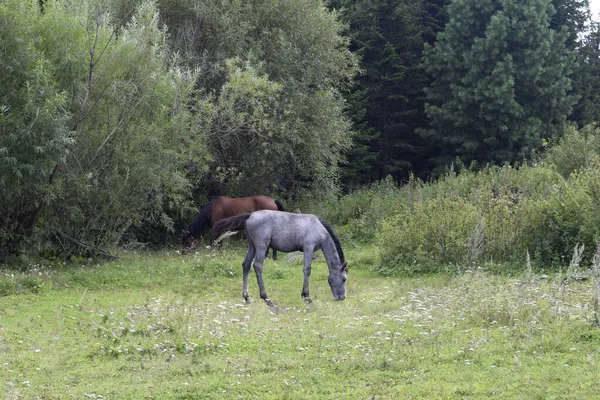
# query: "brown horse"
225, 207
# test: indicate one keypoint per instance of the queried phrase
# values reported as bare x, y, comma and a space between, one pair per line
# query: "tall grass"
495, 216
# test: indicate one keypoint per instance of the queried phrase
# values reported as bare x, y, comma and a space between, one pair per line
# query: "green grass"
159, 325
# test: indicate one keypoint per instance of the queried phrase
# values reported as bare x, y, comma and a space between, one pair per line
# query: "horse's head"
189, 242
337, 282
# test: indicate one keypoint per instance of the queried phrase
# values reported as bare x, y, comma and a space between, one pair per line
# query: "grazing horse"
289, 232
225, 207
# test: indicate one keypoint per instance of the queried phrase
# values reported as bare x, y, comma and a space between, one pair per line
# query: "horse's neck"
199, 224
330, 253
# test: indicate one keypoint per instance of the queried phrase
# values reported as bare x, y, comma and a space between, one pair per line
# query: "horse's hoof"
270, 303
307, 300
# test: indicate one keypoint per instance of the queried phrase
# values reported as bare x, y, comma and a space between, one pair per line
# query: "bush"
7, 286
574, 150
358, 215
488, 217
428, 235
567, 218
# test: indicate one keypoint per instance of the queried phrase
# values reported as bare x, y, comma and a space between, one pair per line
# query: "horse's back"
225, 207
285, 231
263, 203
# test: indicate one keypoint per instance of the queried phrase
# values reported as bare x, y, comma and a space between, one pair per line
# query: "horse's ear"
345, 267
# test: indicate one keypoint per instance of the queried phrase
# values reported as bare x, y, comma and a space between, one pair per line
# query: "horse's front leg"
274, 253
307, 270
211, 238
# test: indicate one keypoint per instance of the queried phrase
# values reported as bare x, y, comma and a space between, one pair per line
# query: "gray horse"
288, 232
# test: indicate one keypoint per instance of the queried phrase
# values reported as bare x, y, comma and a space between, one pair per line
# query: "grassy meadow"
161, 325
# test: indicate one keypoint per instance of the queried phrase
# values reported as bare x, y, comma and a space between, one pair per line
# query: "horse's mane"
202, 220
279, 205
335, 239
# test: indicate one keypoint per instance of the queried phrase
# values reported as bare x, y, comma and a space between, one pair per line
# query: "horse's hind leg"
246, 268
258, 267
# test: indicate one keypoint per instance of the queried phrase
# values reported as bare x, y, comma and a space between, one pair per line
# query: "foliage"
500, 218
34, 114
129, 153
388, 99
568, 218
493, 216
271, 73
573, 16
426, 236
108, 124
112, 128
358, 215
501, 81
586, 84
574, 150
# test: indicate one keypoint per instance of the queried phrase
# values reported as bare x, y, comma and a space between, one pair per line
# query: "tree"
271, 74
573, 17
587, 109
500, 81
388, 98
34, 131
95, 126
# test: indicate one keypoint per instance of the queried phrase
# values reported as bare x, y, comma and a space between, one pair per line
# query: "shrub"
485, 217
358, 215
428, 236
7, 286
574, 151
567, 218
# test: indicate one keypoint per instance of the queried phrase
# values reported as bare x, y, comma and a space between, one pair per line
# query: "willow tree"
96, 125
270, 76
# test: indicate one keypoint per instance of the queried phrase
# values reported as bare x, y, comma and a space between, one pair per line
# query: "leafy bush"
7, 286
574, 150
489, 217
95, 129
358, 215
427, 235
567, 218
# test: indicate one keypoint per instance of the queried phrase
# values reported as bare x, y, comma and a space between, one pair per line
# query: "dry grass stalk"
574, 270
476, 242
596, 279
528, 268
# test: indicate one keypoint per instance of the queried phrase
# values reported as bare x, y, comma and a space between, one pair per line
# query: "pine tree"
388, 99
587, 109
500, 81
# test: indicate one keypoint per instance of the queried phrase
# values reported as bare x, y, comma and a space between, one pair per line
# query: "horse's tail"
230, 224
279, 205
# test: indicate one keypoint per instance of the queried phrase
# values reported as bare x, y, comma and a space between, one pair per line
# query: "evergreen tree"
388, 99
500, 81
587, 78
571, 16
